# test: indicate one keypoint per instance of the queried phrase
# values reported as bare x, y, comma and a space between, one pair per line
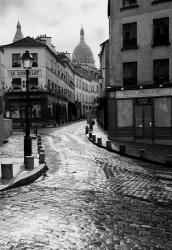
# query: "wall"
145, 54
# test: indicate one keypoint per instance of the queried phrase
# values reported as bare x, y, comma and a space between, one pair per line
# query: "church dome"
82, 54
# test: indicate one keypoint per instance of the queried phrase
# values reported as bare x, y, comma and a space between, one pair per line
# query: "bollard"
94, 138
39, 143
90, 135
122, 148
29, 162
169, 160
108, 144
41, 157
142, 153
7, 171
99, 141
86, 130
39, 148
39, 137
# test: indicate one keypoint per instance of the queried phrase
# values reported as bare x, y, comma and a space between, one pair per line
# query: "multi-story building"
140, 97
104, 77
1, 96
86, 91
50, 84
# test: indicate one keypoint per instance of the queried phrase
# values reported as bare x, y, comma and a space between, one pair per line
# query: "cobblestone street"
90, 199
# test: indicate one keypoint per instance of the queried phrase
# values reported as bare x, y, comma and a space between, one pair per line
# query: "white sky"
60, 19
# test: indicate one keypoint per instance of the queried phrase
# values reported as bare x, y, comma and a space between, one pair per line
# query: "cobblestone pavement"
91, 199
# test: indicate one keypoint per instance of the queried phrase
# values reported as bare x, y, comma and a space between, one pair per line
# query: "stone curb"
26, 178
130, 156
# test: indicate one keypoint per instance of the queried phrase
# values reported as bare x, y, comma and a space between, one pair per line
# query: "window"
35, 60
130, 36
124, 113
162, 112
130, 73
127, 3
161, 31
161, 71
16, 83
16, 60
33, 83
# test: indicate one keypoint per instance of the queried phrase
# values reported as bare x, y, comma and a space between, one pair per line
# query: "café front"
141, 115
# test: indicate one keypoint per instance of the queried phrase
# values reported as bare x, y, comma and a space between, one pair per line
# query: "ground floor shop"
45, 108
137, 115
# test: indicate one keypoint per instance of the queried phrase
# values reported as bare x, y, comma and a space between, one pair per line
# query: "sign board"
143, 101
22, 73
144, 93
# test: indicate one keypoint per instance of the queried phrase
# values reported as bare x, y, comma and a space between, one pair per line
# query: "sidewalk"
157, 153
12, 152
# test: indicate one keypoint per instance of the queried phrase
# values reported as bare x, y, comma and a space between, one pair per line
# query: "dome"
82, 54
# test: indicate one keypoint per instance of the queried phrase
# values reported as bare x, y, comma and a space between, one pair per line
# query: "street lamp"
27, 60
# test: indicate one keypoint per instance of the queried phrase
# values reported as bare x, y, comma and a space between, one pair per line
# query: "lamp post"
27, 60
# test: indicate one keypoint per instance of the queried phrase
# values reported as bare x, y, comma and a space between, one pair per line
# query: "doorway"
143, 121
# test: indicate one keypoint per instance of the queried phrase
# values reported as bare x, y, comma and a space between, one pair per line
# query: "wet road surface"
83, 202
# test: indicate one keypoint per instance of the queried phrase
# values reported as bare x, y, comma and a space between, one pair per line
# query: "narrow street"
88, 200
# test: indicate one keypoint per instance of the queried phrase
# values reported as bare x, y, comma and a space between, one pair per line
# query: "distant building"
1, 96
86, 74
140, 98
18, 34
82, 54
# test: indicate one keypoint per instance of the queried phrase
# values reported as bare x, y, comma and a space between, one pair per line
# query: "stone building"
86, 74
51, 83
140, 98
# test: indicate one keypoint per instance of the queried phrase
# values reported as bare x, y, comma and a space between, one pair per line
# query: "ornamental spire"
82, 34
18, 34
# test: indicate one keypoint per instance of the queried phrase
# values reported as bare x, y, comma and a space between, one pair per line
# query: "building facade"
1, 96
50, 85
86, 92
102, 111
140, 97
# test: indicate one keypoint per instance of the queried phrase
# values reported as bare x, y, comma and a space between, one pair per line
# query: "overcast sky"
60, 19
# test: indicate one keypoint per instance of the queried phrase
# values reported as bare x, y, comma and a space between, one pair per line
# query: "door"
143, 121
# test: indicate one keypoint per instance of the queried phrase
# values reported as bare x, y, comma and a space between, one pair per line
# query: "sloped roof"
27, 41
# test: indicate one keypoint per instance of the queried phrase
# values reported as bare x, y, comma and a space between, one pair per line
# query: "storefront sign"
22, 73
143, 100
144, 93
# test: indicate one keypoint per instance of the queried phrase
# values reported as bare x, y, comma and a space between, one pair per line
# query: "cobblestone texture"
91, 199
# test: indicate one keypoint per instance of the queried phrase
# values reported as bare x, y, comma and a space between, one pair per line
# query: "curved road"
82, 202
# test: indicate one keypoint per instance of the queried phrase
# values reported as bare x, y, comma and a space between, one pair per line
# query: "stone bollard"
7, 171
122, 148
29, 162
86, 130
90, 135
108, 144
94, 138
99, 141
169, 160
142, 153
39, 148
39, 143
41, 157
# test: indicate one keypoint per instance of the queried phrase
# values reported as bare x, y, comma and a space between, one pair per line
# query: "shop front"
141, 115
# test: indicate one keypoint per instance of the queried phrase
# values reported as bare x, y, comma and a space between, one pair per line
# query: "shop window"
124, 113
33, 84
162, 112
35, 60
130, 74
36, 111
161, 71
16, 83
161, 31
16, 60
130, 36
15, 110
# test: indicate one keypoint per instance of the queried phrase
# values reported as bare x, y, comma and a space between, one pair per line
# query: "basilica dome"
82, 54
